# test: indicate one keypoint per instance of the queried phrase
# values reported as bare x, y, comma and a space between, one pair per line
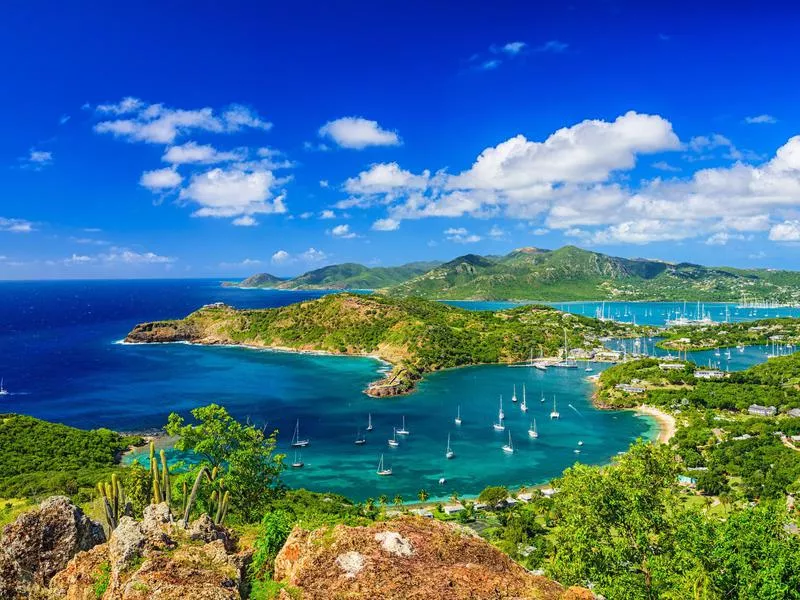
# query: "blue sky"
193, 139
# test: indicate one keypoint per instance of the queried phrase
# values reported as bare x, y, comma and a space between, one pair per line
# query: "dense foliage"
721, 335
40, 458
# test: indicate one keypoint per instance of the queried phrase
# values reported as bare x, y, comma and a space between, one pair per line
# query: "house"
479, 506
525, 496
762, 411
795, 412
744, 436
452, 509
548, 492
686, 481
630, 389
709, 374
422, 512
671, 366
511, 501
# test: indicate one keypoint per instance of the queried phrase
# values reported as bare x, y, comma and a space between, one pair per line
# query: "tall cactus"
204, 472
223, 509
166, 491
114, 502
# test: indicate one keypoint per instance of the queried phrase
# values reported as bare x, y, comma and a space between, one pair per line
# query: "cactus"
185, 497
114, 502
223, 509
166, 492
204, 472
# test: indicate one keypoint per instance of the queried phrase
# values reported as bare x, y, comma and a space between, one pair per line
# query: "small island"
415, 336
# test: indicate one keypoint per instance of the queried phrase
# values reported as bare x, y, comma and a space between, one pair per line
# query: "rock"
41, 542
409, 558
203, 529
126, 543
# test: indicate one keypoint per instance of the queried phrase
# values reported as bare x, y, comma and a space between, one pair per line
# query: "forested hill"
417, 336
568, 273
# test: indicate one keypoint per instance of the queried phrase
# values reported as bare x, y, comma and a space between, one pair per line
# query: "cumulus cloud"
233, 192
382, 178
513, 48
310, 256
461, 236
358, 133
36, 160
788, 231
663, 165
490, 65
245, 221
497, 232
327, 214
554, 46
342, 232
160, 179
136, 121
386, 225
281, 256
15, 225
760, 119
194, 153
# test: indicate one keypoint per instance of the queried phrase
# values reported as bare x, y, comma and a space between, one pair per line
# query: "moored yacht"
296, 441
382, 470
554, 414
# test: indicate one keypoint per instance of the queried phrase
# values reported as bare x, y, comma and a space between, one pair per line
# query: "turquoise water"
325, 393
649, 313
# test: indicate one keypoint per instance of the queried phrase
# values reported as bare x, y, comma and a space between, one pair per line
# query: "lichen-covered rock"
41, 542
203, 529
406, 559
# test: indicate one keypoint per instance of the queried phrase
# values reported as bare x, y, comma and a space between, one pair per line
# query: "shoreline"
666, 422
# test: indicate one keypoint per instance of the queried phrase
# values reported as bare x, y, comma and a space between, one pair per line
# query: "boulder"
409, 558
41, 542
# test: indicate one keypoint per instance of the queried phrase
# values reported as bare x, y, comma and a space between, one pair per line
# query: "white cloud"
760, 119
513, 48
233, 193
490, 65
310, 256
160, 179
36, 160
158, 124
327, 214
342, 232
461, 236
382, 178
663, 165
721, 238
358, 133
554, 46
15, 225
280, 257
541, 231
194, 153
323, 183
63, 120
496, 232
386, 225
245, 221
131, 257
306, 215
788, 231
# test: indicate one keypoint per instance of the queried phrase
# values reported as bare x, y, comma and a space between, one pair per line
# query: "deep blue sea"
60, 360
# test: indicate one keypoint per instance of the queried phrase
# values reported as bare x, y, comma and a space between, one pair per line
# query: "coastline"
666, 422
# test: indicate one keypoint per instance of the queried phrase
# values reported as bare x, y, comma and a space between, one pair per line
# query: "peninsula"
415, 336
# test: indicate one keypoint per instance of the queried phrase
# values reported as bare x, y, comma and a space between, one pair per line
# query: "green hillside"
417, 336
571, 273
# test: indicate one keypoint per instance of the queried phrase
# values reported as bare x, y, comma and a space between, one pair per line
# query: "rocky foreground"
57, 552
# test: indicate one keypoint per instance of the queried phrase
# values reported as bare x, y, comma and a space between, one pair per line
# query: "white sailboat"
555, 414
514, 394
542, 398
393, 442
499, 426
3, 390
458, 415
532, 430
509, 447
296, 441
298, 461
580, 442
449, 452
369, 422
403, 430
502, 415
524, 406
382, 470
361, 439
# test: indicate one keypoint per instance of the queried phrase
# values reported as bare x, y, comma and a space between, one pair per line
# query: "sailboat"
458, 415
514, 394
449, 452
3, 390
580, 442
567, 363
296, 441
542, 398
403, 430
369, 422
509, 447
532, 430
555, 414
393, 442
298, 461
502, 415
383, 470
360, 439
499, 425
524, 406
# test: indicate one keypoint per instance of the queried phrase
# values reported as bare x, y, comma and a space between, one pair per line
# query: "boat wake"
576, 410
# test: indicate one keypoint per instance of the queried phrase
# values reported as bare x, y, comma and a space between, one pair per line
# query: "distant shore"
666, 422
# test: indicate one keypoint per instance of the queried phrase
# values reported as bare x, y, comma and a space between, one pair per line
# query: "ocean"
61, 360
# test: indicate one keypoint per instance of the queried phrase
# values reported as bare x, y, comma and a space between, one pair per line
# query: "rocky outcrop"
40, 543
156, 558
407, 559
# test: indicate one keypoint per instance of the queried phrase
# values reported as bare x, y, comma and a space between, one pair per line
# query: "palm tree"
383, 500
369, 504
422, 495
398, 500
454, 497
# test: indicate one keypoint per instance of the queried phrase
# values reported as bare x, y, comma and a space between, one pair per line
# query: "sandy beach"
666, 422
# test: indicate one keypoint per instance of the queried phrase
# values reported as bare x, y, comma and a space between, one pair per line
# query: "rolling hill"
568, 273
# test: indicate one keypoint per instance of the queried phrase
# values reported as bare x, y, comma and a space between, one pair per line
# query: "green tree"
398, 500
244, 454
493, 495
137, 484
383, 500
422, 495
617, 524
